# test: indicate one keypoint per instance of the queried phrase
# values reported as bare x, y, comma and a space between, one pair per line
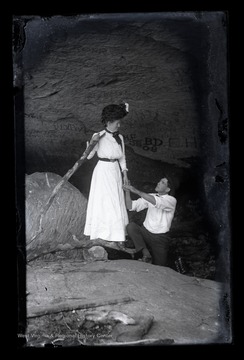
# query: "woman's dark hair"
113, 112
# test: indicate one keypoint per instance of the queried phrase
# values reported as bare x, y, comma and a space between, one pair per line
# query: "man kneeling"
151, 238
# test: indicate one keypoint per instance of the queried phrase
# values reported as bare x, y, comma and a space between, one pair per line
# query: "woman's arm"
126, 181
128, 200
122, 162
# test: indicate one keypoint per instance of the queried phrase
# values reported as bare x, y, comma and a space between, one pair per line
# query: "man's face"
162, 185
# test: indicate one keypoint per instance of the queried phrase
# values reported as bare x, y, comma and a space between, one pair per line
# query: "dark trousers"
157, 244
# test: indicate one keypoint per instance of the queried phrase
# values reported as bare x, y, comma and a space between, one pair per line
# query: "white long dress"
106, 216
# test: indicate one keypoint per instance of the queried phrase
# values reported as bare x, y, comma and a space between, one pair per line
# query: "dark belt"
106, 159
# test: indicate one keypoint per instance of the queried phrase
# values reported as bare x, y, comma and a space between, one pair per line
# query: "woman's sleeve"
122, 160
92, 153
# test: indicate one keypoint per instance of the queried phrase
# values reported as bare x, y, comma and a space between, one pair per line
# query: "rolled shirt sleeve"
139, 205
166, 203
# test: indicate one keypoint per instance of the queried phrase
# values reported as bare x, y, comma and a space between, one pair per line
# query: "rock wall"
74, 66
170, 67
106, 63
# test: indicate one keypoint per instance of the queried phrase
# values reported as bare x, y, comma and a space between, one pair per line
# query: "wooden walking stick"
65, 178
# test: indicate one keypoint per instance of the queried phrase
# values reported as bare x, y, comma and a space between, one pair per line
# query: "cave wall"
73, 66
107, 61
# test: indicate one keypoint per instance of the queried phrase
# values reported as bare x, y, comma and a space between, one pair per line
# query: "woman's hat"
114, 112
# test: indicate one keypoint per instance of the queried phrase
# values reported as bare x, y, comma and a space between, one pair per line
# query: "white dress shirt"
159, 216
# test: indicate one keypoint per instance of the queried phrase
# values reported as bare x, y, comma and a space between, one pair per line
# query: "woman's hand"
126, 181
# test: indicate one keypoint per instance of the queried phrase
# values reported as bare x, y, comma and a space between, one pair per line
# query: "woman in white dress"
106, 216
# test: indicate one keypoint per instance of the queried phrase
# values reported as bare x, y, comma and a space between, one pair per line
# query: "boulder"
62, 224
95, 253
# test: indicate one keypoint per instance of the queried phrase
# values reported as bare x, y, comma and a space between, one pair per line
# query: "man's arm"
145, 196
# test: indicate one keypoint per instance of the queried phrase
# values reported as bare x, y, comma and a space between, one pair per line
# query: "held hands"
128, 187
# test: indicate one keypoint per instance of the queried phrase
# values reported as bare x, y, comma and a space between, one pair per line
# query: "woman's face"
114, 126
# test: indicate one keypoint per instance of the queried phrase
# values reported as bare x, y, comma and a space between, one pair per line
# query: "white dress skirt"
106, 216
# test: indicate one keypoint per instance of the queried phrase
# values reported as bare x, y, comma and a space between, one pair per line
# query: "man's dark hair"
170, 183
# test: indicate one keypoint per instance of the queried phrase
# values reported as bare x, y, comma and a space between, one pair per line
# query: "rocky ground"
77, 303
85, 296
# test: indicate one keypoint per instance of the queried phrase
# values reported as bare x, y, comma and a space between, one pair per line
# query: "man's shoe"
123, 247
146, 259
